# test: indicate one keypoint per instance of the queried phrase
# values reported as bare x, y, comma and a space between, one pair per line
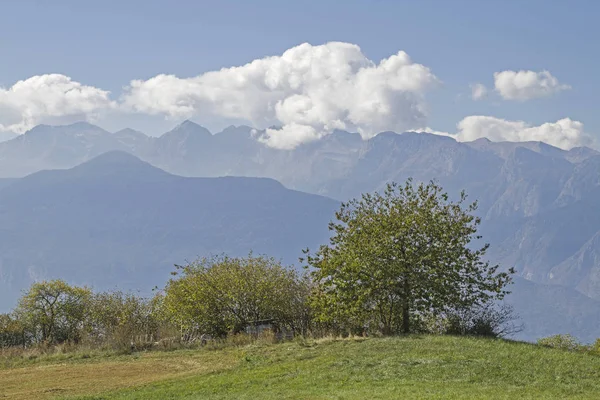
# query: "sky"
507, 70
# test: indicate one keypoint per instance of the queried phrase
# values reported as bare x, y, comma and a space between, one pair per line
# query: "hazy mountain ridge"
533, 197
7, 135
546, 310
116, 220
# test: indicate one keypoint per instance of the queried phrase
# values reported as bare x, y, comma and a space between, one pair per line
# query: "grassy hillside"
415, 367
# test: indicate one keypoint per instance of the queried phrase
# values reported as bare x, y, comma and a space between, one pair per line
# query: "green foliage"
595, 347
220, 295
119, 319
399, 255
215, 296
53, 311
564, 342
12, 331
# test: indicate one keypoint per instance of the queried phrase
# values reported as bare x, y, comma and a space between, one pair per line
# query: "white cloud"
308, 90
478, 91
290, 136
50, 98
434, 132
564, 133
526, 85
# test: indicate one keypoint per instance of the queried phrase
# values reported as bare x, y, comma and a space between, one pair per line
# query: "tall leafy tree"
54, 311
397, 255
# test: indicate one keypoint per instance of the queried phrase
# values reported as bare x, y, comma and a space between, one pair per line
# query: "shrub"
564, 342
12, 331
223, 295
595, 347
122, 320
489, 320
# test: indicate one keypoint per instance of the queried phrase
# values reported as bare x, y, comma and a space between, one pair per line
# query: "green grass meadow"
415, 367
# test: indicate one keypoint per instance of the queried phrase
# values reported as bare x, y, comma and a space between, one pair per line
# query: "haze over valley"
119, 209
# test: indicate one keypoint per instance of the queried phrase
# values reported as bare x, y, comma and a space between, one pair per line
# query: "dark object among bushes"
490, 320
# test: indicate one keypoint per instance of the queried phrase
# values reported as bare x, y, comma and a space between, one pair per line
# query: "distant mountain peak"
74, 128
190, 125
506, 149
345, 135
188, 129
234, 130
128, 131
119, 163
579, 154
82, 125
115, 157
429, 135
131, 134
411, 136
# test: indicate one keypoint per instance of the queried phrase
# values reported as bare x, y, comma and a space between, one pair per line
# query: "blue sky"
106, 44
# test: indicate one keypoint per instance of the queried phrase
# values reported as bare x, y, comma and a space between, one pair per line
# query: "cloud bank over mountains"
309, 91
47, 98
297, 97
564, 133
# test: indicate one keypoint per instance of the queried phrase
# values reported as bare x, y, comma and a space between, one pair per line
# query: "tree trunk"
406, 308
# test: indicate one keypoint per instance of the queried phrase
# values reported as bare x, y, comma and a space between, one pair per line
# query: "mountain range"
118, 221
537, 202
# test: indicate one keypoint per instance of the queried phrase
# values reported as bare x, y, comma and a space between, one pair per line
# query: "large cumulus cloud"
308, 91
51, 98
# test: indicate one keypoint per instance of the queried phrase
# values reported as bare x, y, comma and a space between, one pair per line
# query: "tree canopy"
223, 294
54, 310
399, 255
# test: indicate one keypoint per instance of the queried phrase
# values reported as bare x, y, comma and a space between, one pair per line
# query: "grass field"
418, 367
